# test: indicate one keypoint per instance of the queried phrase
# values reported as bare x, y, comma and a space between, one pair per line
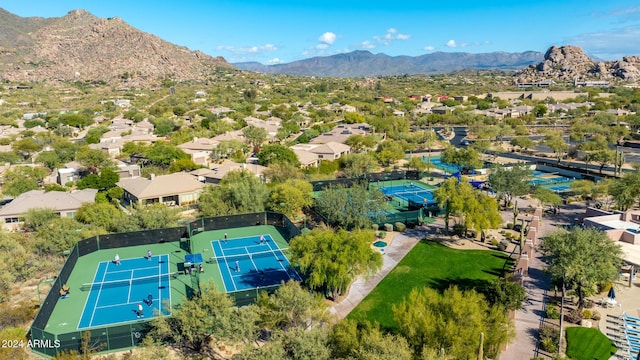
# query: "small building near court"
65, 204
171, 190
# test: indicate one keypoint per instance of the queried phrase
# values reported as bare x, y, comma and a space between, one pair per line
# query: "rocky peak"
569, 63
81, 46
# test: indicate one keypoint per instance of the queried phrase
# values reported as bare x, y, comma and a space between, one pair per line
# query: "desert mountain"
81, 46
364, 63
570, 63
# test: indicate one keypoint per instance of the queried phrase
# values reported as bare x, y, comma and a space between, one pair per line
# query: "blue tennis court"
559, 188
251, 262
410, 193
117, 291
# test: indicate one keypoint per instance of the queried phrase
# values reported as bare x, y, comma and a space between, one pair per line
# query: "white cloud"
389, 36
274, 61
429, 48
322, 46
367, 45
249, 49
451, 43
609, 45
327, 38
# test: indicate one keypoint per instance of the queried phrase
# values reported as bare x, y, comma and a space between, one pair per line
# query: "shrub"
588, 303
400, 226
549, 345
573, 316
502, 246
549, 337
459, 229
494, 242
375, 227
388, 227
586, 314
553, 312
510, 226
595, 315
382, 234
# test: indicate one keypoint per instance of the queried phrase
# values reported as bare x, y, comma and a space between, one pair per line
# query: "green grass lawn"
588, 344
433, 265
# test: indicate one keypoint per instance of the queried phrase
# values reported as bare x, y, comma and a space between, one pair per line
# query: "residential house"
441, 110
126, 171
171, 190
200, 150
67, 175
306, 158
398, 113
329, 151
621, 227
341, 133
65, 204
219, 171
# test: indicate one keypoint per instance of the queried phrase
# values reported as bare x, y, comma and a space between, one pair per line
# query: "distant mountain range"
364, 63
80, 46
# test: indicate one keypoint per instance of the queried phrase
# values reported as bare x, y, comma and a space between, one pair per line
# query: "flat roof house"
217, 172
621, 227
66, 204
173, 189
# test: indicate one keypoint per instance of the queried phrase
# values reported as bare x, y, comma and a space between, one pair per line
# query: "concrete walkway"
399, 247
537, 284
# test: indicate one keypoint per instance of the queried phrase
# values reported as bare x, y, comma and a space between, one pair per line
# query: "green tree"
523, 142
540, 110
347, 340
34, 219
471, 208
239, 192
58, 235
226, 148
210, 316
162, 153
49, 159
452, 321
93, 159
626, 190
98, 214
582, 258
255, 135
183, 165
389, 152
291, 306
557, 144
546, 196
79, 120
274, 153
94, 134
351, 207
290, 197
357, 164
463, 159
361, 142
26, 146
280, 172
21, 179
505, 292
511, 181
330, 260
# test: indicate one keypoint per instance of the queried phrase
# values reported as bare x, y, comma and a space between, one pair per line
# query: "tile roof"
55, 200
161, 185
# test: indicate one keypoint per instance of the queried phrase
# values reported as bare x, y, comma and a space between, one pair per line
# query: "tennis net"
126, 282
231, 259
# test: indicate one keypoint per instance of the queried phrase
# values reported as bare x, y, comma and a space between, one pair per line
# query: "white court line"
144, 268
285, 257
98, 297
228, 269
251, 258
89, 295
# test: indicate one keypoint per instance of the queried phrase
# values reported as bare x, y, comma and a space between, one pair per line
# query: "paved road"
537, 284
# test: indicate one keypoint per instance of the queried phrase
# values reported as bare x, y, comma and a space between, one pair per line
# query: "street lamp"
46, 281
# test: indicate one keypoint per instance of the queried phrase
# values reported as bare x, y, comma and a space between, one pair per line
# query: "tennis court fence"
130, 335
368, 177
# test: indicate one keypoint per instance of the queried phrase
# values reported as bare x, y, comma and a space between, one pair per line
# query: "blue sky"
273, 31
